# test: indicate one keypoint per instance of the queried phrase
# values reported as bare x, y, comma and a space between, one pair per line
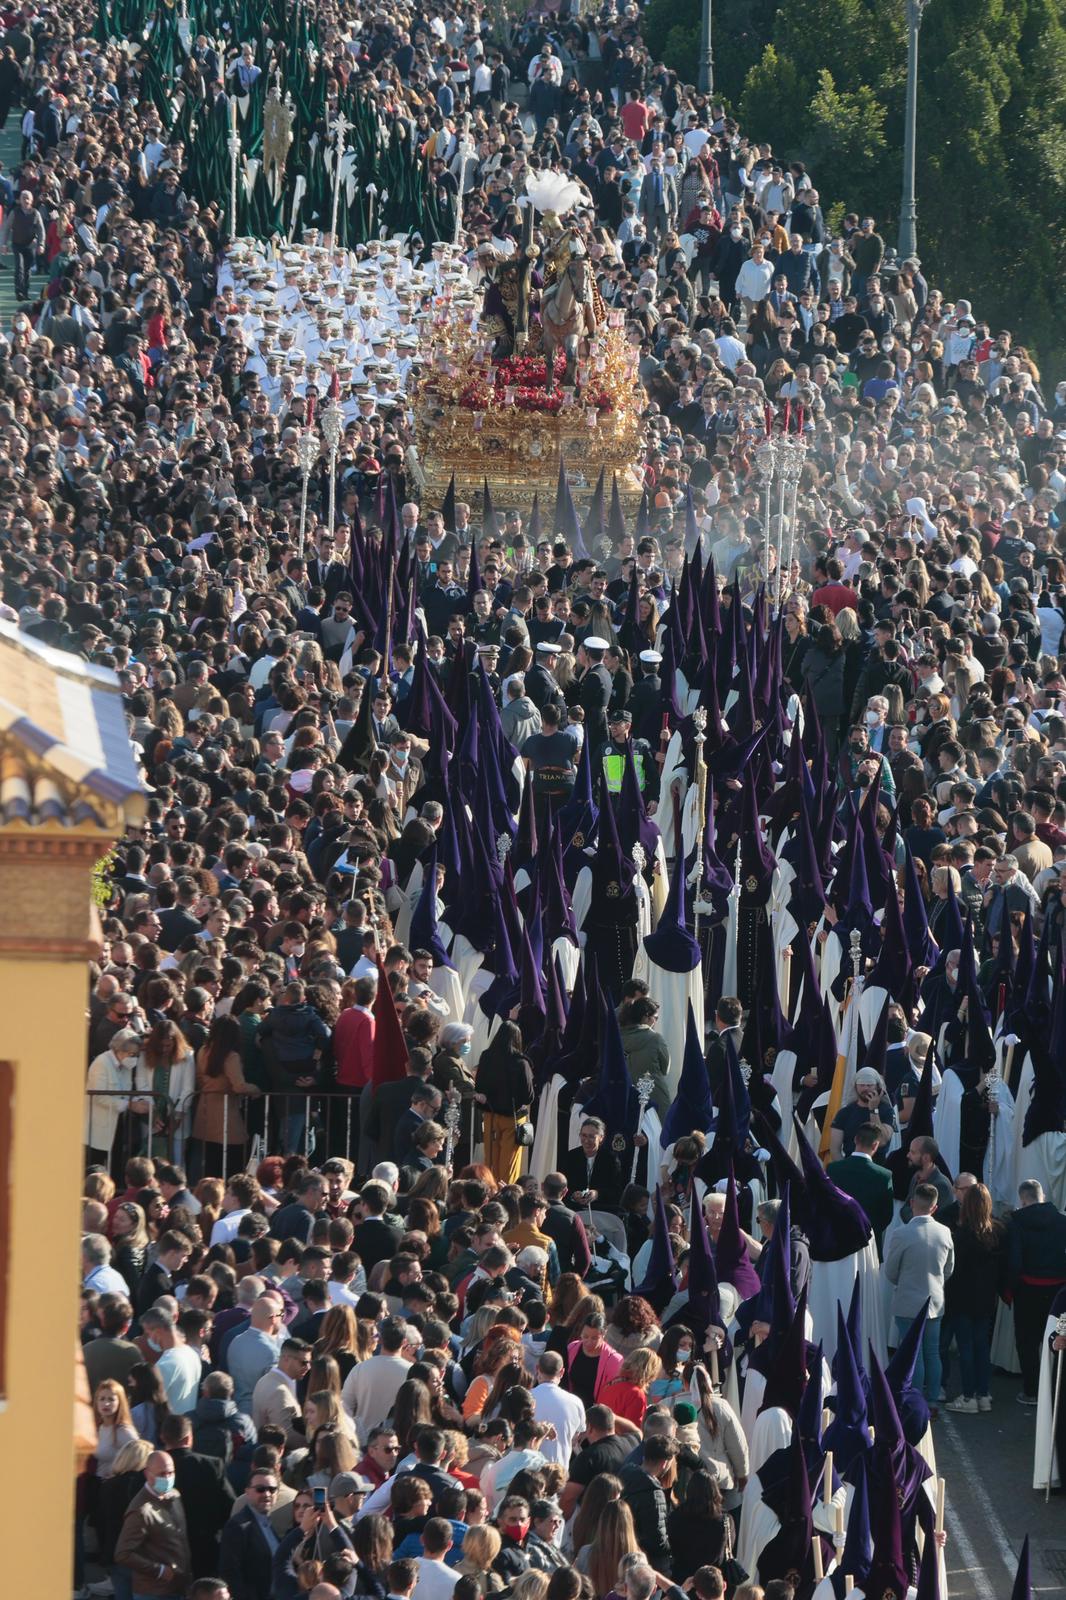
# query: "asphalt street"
987, 1462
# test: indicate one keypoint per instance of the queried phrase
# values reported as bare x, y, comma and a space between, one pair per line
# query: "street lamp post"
908, 219
706, 72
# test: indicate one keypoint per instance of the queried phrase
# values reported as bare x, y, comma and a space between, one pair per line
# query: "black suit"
155, 1281
607, 1178
208, 1500
375, 1241
333, 576
542, 688
716, 1059
594, 698
176, 924
566, 1228
244, 1558
388, 1102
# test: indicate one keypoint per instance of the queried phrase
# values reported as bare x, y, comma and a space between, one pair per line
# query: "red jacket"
836, 596
353, 1047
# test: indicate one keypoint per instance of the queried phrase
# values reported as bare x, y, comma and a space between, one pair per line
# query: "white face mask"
872, 719
736, 233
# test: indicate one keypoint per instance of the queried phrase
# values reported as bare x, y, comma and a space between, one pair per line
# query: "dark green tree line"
824, 80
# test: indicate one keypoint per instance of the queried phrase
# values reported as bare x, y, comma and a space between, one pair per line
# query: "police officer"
620, 724
594, 694
646, 697
541, 686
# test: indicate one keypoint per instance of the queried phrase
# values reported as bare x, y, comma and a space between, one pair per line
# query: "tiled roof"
65, 753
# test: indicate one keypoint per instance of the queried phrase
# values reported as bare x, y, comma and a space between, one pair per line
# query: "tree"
847, 135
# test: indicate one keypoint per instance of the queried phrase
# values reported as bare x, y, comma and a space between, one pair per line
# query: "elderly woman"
869, 1103
113, 1080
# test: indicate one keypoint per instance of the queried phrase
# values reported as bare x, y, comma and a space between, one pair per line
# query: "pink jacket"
609, 1367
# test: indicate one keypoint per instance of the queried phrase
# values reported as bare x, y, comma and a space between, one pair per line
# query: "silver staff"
307, 451
338, 128
332, 431
645, 1086
451, 1128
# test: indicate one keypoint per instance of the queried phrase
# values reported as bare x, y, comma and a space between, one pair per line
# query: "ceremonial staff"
451, 1127
338, 128
307, 450
644, 1088
234, 156
332, 429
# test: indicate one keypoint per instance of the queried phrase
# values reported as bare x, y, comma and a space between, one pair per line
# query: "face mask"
887, 345
401, 760
685, 1353
153, 1344
464, 1048
871, 719
298, 951
971, 499
163, 1485
735, 233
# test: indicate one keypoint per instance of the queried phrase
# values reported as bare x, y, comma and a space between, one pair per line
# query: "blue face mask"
464, 1048
163, 1485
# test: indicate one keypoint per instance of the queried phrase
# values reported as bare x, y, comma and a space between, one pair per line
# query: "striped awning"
66, 717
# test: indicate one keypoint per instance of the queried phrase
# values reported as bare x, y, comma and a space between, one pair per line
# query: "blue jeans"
927, 1370
973, 1337
122, 1583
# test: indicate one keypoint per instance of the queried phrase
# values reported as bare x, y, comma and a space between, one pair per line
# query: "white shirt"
105, 1280
370, 1390
225, 1229
435, 1580
566, 1412
182, 1371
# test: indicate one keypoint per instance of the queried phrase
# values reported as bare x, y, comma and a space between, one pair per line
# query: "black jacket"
1036, 1244
208, 1500
646, 1500
155, 1281
376, 1241
607, 1179
244, 1558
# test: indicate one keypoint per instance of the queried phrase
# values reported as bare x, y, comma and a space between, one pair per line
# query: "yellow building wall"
42, 1034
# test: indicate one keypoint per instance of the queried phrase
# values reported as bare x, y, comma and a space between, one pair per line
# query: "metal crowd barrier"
316, 1124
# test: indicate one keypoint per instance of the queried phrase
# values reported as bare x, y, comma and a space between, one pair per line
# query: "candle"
816, 1551
768, 416
827, 1492
840, 1517
799, 420
940, 1505
788, 415
233, 113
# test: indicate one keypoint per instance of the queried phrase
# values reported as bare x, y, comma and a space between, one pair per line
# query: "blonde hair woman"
323, 1409
532, 1585
114, 1425
481, 1546
613, 1538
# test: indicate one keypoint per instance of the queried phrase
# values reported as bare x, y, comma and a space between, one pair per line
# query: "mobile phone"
319, 1497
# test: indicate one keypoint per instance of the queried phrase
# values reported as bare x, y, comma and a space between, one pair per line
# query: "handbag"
523, 1131
732, 1572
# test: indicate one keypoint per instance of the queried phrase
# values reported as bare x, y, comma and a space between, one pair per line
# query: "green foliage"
775, 101
824, 80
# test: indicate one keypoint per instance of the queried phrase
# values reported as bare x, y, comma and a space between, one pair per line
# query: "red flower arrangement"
525, 375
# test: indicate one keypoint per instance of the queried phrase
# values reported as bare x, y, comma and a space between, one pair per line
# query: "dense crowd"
394, 1284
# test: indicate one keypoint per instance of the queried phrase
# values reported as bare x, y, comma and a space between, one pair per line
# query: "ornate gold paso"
480, 422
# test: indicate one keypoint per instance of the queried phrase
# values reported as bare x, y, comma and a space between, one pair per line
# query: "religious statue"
562, 291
